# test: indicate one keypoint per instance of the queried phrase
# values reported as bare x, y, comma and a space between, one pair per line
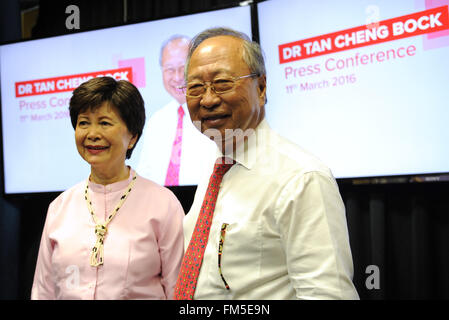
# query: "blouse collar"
113, 187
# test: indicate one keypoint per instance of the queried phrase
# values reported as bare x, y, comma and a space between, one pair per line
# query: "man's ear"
262, 89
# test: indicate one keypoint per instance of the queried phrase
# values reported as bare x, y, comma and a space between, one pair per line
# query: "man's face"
173, 61
241, 108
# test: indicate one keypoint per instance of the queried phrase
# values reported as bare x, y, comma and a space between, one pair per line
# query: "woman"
115, 235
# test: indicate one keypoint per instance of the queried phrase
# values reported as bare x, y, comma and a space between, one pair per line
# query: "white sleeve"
311, 217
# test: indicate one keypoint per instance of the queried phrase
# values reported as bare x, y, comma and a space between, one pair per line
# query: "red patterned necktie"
172, 177
193, 257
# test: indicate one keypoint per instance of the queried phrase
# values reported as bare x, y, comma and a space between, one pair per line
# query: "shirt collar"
174, 105
247, 153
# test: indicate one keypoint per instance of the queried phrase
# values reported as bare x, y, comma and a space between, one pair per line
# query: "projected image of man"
171, 144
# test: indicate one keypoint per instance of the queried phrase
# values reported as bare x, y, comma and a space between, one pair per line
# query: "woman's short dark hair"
121, 94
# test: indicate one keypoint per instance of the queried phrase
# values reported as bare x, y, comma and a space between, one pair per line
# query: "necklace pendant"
97, 253
101, 230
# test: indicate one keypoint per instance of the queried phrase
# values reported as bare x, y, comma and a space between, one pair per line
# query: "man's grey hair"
252, 53
169, 40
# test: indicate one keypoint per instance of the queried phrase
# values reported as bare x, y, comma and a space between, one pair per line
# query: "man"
171, 145
278, 230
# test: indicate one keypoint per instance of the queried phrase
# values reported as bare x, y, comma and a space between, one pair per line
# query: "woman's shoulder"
153, 192
73, 192
147, 185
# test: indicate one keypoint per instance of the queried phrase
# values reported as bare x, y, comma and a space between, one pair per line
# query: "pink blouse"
143, 247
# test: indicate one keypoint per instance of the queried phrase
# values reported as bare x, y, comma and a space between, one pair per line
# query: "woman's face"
102, 139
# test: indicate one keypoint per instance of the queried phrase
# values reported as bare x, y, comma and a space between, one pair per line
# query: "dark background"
399, 225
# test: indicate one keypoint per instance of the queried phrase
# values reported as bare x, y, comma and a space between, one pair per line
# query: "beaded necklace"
96, 256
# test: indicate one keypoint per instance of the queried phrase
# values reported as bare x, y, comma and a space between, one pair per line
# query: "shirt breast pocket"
238, 250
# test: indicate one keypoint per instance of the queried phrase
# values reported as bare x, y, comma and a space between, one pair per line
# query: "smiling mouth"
96, 149
215, 117
180, 91
215, 120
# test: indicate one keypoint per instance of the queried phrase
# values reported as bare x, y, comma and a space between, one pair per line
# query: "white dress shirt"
287, 236
158, 137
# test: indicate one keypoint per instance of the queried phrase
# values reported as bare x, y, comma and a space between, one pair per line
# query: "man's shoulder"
167, 110
159, 120
289, 156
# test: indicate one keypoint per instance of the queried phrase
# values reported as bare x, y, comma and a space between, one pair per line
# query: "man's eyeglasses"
222, 85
